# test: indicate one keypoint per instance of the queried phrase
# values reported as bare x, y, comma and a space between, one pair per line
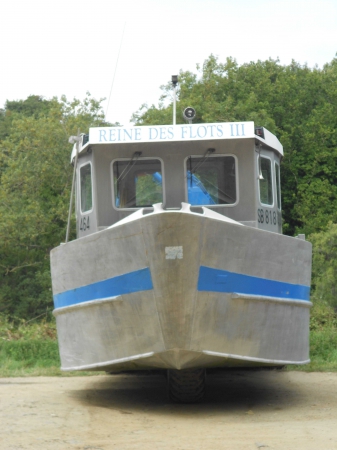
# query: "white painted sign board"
167, 133
176, 133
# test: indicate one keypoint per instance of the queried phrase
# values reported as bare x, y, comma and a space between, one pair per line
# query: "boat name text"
171, 133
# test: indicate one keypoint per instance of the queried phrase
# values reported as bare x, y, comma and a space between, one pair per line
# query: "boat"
180, 262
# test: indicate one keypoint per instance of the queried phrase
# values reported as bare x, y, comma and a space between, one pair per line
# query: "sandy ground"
242, 410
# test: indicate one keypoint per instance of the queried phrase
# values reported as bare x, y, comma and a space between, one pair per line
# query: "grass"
31, 349
323, 352
323, 339
32, 358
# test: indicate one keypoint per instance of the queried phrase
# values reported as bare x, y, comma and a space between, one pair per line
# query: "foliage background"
295, 102
35, 184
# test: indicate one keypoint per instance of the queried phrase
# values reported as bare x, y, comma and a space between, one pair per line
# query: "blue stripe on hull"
139, 280
216, 280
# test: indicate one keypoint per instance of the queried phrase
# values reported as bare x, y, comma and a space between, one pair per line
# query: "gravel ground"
242, 410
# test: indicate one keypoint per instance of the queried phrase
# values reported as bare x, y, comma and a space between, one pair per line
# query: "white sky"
55, 47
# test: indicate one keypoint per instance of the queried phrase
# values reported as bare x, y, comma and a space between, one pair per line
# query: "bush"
322, 316
15, 329
324, 266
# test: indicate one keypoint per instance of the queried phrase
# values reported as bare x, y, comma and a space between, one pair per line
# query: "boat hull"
178, 290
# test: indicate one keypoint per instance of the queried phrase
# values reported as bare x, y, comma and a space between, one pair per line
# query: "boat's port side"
254, 330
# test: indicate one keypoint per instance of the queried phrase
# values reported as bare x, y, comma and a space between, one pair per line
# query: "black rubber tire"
186, 386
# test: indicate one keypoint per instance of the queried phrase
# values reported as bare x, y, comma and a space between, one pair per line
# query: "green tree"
297, 103
34, 195
33, 106
324, 273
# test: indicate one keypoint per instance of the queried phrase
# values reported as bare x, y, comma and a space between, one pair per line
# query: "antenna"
113, 79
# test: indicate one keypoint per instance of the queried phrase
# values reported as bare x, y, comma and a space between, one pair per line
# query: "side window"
278, 185
86, 188
137, 183
265, 182
211, 180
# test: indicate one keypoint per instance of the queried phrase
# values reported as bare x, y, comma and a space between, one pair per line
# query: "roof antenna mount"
174, 84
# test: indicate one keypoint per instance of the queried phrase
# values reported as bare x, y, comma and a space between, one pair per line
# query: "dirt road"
242, 410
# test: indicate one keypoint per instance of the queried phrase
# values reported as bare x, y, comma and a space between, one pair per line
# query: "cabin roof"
179, 133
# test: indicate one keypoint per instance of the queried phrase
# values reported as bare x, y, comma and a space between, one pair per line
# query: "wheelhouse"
230, 168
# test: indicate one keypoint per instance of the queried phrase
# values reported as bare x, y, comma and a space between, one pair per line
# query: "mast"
174, 83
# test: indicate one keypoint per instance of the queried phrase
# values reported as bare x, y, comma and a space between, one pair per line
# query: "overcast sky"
55, 47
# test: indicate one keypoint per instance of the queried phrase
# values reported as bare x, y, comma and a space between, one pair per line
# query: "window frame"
136, 208
273, 177
278, 185
80, 188
217, 205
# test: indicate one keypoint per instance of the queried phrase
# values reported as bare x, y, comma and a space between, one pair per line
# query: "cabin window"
211, 180
86, 188
265, 182
278, 187
137, 183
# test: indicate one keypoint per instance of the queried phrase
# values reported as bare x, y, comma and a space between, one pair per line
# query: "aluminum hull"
178, 290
